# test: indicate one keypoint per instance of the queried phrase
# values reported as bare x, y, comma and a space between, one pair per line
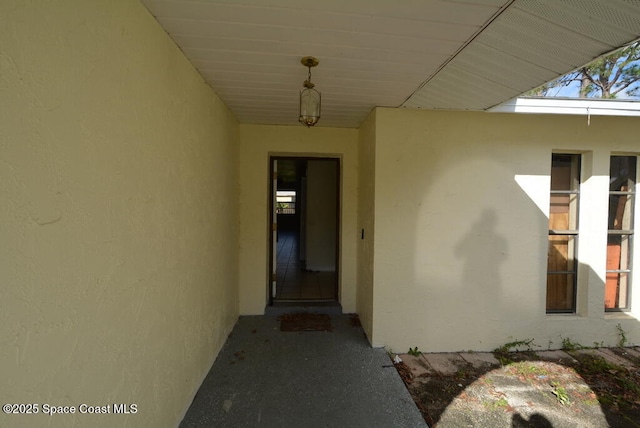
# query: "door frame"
271, 210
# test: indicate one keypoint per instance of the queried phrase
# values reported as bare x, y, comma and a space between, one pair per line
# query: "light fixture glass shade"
309, 106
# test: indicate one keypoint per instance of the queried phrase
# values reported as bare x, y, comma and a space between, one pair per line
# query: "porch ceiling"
432, 54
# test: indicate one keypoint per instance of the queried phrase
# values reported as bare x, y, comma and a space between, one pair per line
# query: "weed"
415, 352
592, 364
464, 372
561, 393
508, 347
502, 353
629, 385
569, 345
598, 344
526, 368
502, 402
623, 336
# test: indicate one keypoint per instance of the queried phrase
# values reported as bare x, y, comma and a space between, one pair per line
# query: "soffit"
531, 43
467, 54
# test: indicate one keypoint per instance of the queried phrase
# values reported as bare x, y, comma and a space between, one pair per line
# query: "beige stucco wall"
366, 223
257, 143
117, 215
461, 206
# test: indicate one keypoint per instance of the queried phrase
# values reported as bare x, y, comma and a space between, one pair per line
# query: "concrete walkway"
267, 378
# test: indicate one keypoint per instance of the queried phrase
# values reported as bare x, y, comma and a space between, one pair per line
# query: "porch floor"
263, 377
294, 283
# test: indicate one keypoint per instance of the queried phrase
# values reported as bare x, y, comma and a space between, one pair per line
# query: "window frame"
629, 233
574, 198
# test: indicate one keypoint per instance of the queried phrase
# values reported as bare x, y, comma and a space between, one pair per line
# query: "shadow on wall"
482, 251
478, 244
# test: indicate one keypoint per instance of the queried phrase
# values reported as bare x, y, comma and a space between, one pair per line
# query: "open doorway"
304, 212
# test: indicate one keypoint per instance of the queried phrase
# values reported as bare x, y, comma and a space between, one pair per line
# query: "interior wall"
119, 215
461, 219
321, 215
366, 221
257, 144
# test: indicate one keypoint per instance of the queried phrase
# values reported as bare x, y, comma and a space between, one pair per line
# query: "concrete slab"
555, 356
417, 364
592, 352
614, 358
633, 354
607, 354
445, 363
301, 379
480, 360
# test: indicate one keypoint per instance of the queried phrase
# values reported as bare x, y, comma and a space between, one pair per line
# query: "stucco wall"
118, 215
257, 143
366, 220
461, 206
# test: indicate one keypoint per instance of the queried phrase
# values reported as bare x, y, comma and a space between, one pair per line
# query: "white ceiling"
434, 54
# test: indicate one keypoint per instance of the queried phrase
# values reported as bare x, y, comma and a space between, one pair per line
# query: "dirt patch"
527, 390
354, 320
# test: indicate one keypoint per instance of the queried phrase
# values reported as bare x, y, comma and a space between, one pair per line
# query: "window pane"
616, 290
563, 217
565, 172
560, 292
618, 252
622, 173
620, 212
286, 200
563, 212
622, 178
561, 251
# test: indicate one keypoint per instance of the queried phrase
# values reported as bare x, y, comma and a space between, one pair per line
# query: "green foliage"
526, 368
622, 341
608, 77
513, 346
502, 402
561, 393
502, 353
569, 345
594, 365
414, 351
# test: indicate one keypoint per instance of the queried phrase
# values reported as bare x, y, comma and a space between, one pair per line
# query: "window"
622, 178
562, 262
286, 200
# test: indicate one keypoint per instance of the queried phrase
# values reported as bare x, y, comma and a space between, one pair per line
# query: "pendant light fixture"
309, 97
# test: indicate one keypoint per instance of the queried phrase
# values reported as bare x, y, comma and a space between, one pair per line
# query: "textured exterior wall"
366, 220
257, 143
118, 215
461, 219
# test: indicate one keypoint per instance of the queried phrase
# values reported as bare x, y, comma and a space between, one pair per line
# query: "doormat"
305, 321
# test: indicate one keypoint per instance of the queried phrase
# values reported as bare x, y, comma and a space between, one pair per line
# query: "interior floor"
293, 282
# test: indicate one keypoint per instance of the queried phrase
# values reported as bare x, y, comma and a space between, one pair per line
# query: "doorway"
304, 213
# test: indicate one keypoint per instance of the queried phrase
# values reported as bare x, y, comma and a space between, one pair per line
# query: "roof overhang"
430, 54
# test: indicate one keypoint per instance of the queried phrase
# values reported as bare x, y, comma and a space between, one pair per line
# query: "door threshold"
313, 306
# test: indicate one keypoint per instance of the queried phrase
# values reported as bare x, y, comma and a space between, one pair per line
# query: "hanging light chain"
307, 83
